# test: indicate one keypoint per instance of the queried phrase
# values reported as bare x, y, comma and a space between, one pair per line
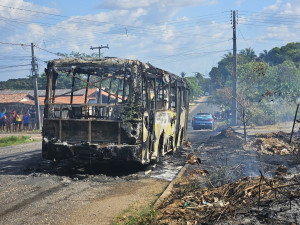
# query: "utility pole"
35, 85
92, 48
234, 78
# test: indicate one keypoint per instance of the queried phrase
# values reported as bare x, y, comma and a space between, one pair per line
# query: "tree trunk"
244, 123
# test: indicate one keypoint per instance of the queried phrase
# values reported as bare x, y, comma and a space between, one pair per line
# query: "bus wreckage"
139, 112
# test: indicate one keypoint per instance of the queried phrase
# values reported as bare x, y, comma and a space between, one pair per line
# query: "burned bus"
139, 112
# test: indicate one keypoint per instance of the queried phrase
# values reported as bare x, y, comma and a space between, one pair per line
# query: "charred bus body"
143, 117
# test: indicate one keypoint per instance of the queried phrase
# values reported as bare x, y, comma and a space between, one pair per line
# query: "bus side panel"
182, 127
164, 133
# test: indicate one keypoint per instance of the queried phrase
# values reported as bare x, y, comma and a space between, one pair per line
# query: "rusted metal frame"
155, 94
130, 88
72, 89
49, 73
109, 94
60, 111
54, 85
99, 95
170, 95
91, 84
90, 131
150, 75
85, 120
147, 93
86, 88
60, 129
84, 81
163, 93
154, 115
186, 108
119, 133
178, 112
117, 94
95, 104
181, 96
124, 89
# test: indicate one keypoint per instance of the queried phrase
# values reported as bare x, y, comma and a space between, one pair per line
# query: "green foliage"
17, 84
195, 89
79, 55
14, 140
274, 75
146, 216
276, 56
283, 79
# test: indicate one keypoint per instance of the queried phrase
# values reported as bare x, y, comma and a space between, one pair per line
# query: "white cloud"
130, 4
146, 30
274, 7
19, 14
239, 2
291, 7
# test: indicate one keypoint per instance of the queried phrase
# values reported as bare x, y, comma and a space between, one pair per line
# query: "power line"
8, 43
83, 19
5, 67
46, 50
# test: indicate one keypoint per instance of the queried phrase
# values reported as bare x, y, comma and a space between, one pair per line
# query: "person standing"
19, 122
2, 120
14, 121
25, 121
32, 115
7, 122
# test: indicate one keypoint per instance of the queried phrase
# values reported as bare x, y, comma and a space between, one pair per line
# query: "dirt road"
34, 191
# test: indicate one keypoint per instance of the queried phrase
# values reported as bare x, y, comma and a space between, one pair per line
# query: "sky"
175, 35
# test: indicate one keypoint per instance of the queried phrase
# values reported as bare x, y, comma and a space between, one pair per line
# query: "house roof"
11, 98
27, 96
43, 92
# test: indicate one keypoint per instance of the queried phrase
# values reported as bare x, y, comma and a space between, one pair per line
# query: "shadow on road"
23, 163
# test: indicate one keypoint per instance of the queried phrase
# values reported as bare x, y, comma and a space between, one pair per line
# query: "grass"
15, 140
146, 216
132, 216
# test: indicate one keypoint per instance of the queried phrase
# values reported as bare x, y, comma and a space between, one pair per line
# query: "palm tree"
182, 74
264, 55
228, 55
248, 52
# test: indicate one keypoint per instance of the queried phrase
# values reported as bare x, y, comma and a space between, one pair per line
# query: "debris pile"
228, 133
246, 196
273, 143
225, 135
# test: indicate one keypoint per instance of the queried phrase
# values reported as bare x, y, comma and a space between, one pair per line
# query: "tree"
249, 75
249, 53
264, 55
182, 74
195, 89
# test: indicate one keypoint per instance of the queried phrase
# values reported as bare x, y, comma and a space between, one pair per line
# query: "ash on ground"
241, 186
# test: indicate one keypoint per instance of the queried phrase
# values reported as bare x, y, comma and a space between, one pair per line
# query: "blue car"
203, 120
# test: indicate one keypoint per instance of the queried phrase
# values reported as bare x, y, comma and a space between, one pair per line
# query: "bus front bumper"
54, 149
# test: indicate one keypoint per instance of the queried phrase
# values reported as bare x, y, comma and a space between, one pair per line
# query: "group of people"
16, 121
